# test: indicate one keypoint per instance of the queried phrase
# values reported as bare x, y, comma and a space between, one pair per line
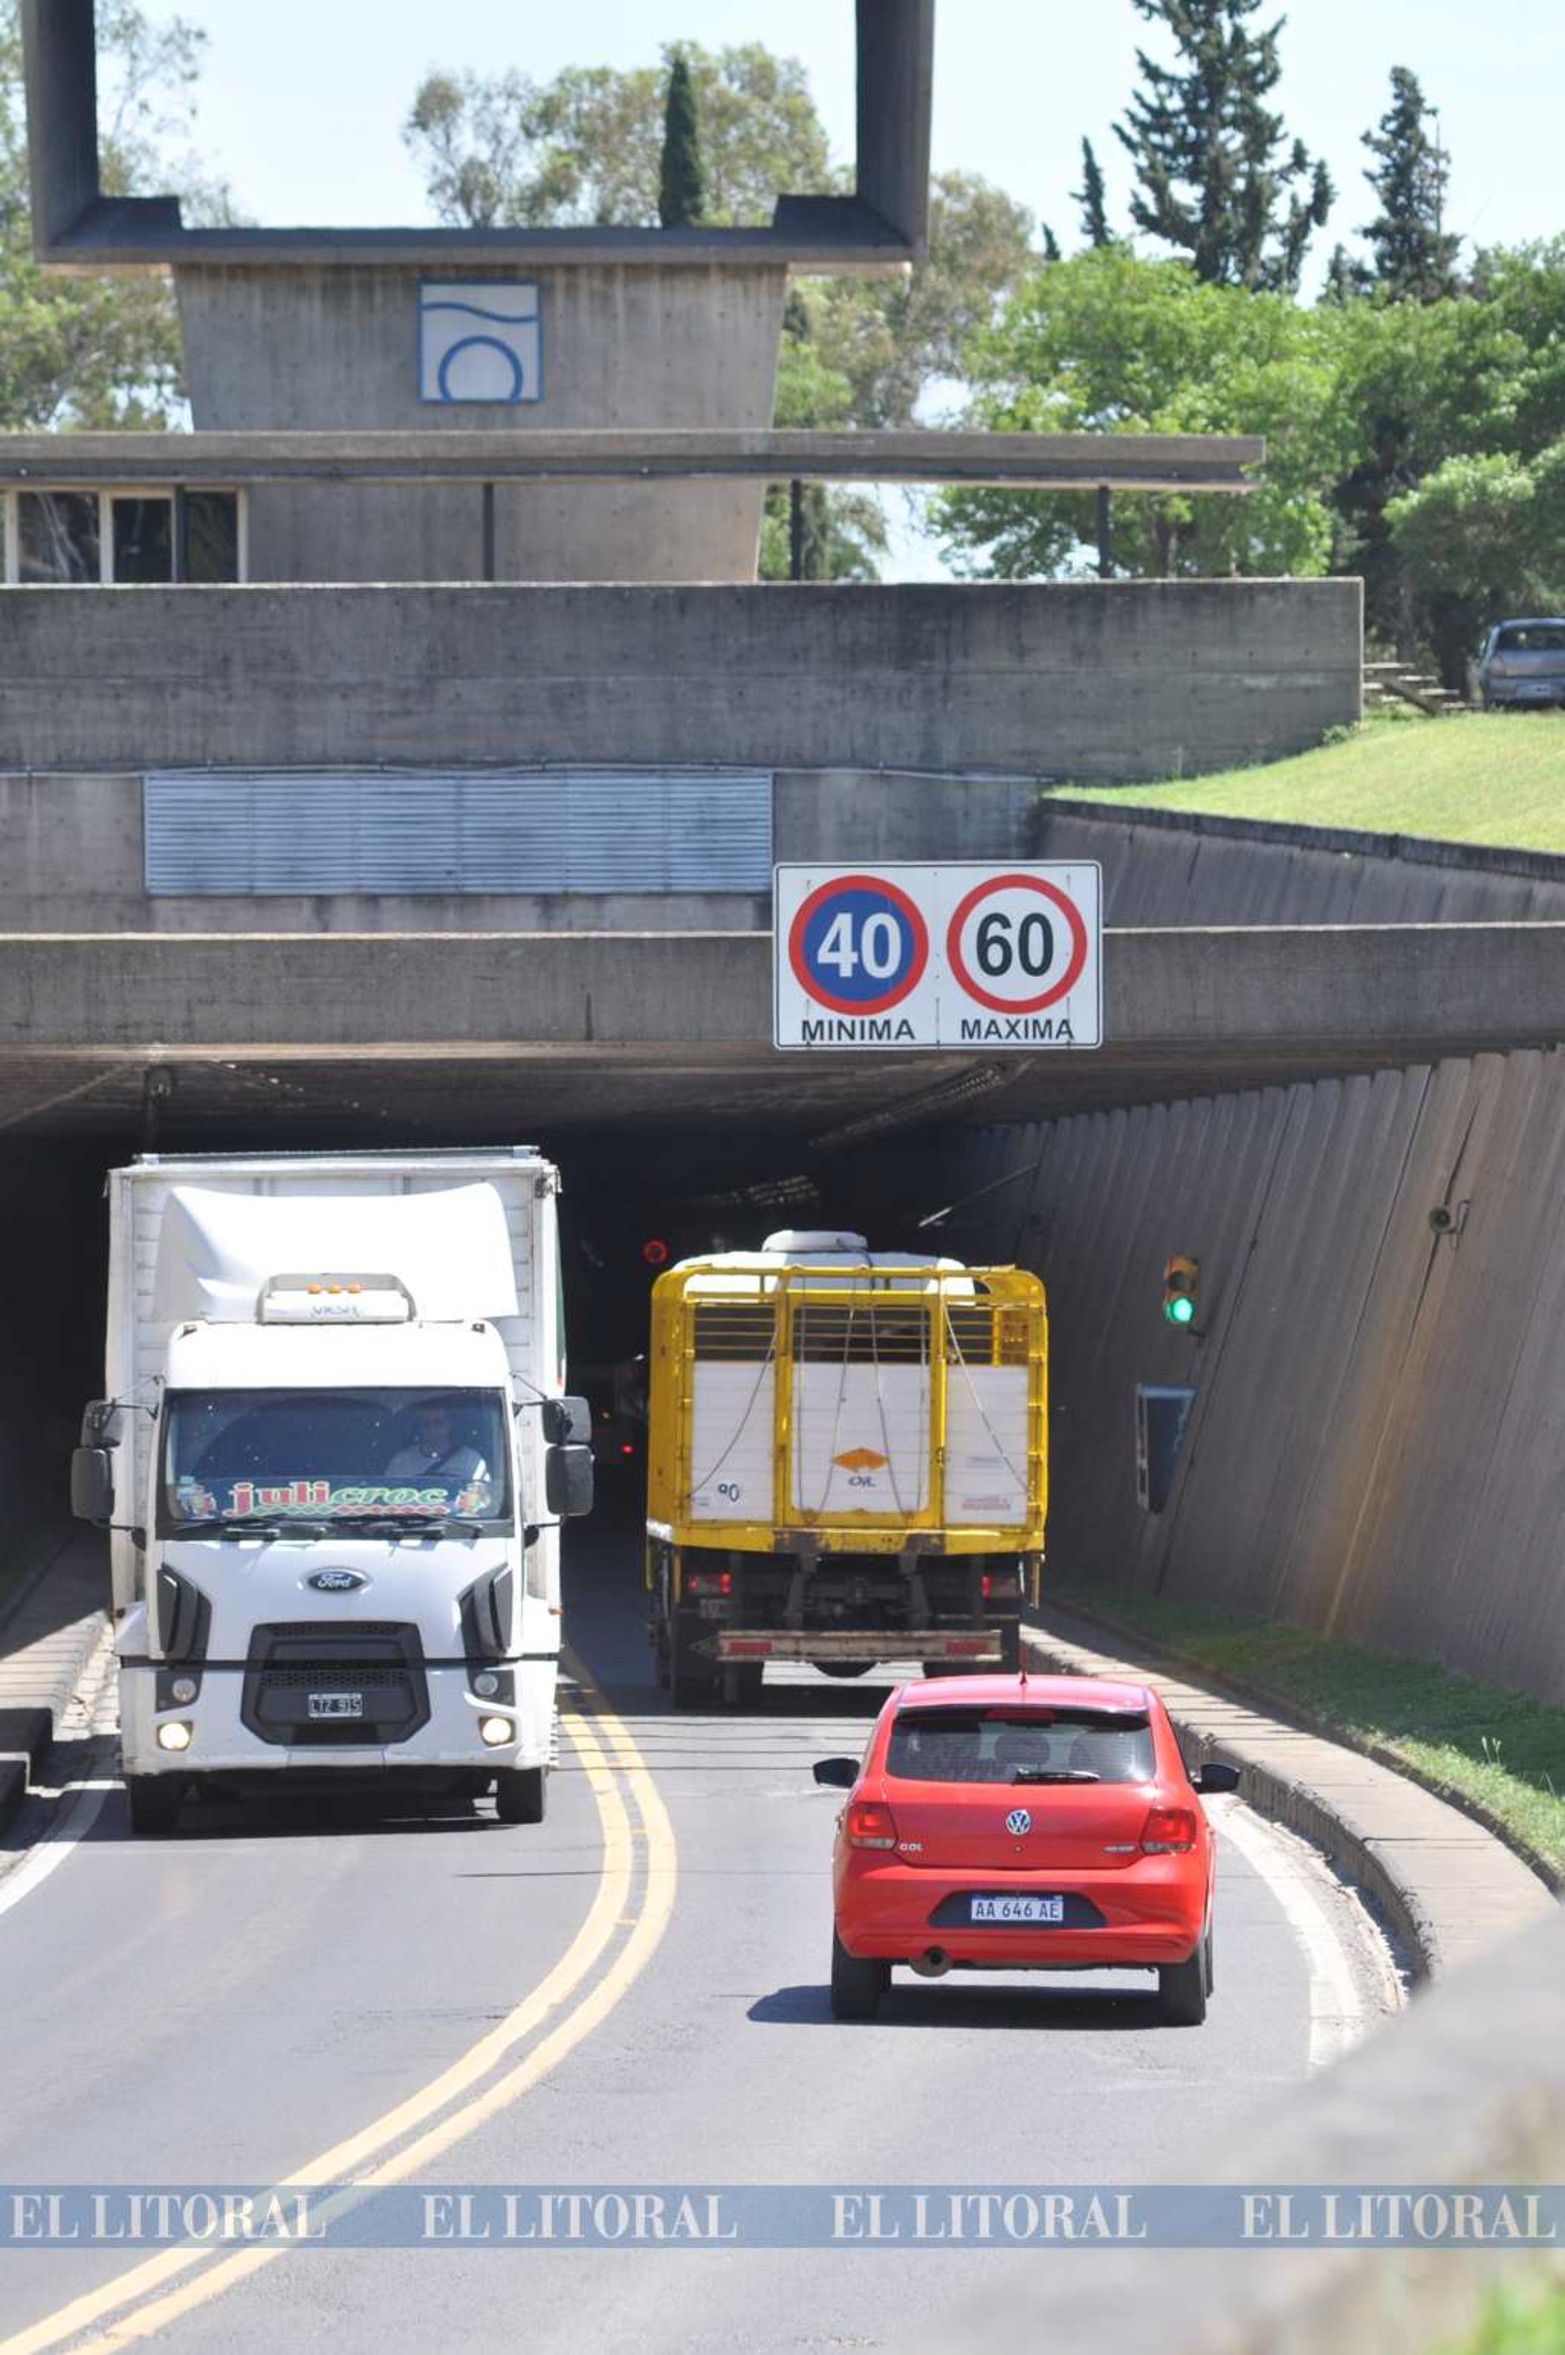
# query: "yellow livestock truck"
846, 1463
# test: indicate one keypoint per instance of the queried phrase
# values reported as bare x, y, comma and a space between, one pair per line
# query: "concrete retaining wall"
1109, 680
1376, 1442
1178, 867
75, 864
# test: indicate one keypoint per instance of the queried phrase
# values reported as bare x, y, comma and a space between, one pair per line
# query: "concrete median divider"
48, 1634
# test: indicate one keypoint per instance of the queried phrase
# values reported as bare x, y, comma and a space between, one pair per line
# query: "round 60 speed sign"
1016, 944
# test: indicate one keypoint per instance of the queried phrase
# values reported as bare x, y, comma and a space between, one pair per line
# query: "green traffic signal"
1181, 1284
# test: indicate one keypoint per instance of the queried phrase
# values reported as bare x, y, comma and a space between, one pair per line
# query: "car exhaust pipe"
933, 1963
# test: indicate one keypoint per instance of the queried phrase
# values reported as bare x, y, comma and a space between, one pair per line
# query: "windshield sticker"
247, 1499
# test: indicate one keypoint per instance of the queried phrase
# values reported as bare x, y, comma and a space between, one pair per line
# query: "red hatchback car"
1023, 1823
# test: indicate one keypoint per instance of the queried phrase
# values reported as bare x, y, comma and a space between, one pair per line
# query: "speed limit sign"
939, 957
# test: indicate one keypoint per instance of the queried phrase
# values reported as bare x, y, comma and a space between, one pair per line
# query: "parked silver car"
1522, 662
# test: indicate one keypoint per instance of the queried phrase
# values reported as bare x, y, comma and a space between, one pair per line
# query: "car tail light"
1168, 1831
870, 1825
709, 1582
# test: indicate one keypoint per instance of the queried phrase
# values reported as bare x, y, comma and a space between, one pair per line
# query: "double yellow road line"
627, 1918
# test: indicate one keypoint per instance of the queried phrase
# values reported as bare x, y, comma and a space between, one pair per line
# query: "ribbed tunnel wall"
1377, 1443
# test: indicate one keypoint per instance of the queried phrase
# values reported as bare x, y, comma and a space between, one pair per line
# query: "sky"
301, 103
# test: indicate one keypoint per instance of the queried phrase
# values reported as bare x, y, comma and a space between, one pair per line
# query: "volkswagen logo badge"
1018, 1821
336, 1582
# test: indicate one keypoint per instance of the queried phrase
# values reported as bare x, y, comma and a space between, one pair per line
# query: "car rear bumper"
1546, 690
1146, 1913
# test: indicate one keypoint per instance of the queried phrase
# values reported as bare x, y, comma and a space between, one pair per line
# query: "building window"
133, 539
143, 541
212, 536
59, 537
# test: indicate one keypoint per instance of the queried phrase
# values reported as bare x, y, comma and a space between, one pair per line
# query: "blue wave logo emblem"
480, 341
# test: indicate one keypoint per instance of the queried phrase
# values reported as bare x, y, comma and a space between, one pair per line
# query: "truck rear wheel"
154, 1801
521, 1794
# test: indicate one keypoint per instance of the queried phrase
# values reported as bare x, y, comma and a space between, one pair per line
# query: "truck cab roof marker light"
321, 1297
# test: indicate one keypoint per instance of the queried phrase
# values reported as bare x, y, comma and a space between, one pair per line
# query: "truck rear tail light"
966, 1647
1005, 1583
1168, 1831
709, 1582
870, 1825
740, 1647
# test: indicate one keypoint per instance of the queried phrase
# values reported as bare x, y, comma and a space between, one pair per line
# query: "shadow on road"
912, 2006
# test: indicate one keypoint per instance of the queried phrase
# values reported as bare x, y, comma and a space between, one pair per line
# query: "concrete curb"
42, 1655
1259, 1696
1447, 1887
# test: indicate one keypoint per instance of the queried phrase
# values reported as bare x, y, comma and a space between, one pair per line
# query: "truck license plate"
336, 1704
1018, 1909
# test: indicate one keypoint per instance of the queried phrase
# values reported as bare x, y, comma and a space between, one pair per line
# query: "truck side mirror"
836, 1774
567, 1482
92, 1486
567, 1422
102, 1423
1215, 1777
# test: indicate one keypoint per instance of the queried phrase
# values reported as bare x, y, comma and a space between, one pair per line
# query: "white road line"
79, 1817
1330, 1924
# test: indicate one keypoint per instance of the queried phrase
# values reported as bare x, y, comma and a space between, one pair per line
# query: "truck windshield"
239, 1456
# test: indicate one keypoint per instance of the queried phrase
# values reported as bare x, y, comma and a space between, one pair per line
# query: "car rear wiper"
1055, 1774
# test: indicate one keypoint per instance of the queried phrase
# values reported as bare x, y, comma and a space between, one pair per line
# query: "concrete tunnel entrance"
633, 1193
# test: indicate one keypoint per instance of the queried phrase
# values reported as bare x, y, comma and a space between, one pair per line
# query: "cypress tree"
1413, 254
1090, 197
682, 184
1051, 244
1216, 175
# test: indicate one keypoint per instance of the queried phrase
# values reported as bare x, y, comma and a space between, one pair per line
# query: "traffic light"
1181, 1286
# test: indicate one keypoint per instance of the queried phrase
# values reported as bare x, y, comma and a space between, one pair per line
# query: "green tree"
587, 147
896, 339
1482, 537
1412, 251
1091, 198
103, 350
1109, 342
681, 181
1216, 174
844, 528
1422, 383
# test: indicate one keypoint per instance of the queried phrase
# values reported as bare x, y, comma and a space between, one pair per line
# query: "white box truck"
334, 1454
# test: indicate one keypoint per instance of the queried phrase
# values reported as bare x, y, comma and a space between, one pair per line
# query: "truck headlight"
497, 1731
175, 1735
487, 1685
184, 1690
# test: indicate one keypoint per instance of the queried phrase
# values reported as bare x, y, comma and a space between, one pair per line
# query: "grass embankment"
1501, 1751
1521, 2323
1491, 777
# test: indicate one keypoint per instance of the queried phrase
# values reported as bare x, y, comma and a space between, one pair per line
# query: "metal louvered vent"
251, 832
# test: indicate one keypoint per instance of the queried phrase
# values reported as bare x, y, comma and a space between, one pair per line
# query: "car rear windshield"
1533, 637
1008, 1744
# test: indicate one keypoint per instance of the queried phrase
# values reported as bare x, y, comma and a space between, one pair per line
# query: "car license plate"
1017, 1909
336, 1704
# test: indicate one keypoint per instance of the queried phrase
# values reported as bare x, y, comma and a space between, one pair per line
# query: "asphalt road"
630, 1995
